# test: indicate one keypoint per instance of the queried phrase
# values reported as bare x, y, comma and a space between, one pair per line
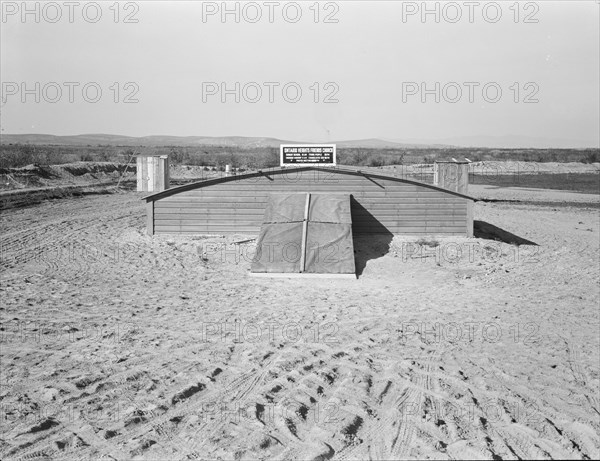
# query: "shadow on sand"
371, 238
367, 247
484, 230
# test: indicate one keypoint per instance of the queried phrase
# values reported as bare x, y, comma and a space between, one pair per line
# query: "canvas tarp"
310, 233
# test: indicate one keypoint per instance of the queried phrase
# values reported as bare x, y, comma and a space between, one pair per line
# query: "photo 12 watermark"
17, 331
70, 12
270, 92
287, 409
454, 252
470, 12
80, 254
269, 252
470, 92
238, 331
44, 415
71, 92
287, 412
270, 12
469, 332
489, 413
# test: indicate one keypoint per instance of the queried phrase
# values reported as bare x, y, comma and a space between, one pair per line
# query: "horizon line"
434, 143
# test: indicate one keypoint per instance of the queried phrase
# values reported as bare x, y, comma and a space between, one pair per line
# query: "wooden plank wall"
378, 206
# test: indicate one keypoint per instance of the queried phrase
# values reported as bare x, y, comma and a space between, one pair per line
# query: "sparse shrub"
376, 161
346, 159
358, 158
270, 160
17, 155
429, 243
104, 156
177, 156
591, 157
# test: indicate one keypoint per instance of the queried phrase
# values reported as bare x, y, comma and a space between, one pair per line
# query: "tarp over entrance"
306, 233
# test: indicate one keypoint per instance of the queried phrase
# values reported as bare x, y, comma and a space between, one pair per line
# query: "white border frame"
281, 146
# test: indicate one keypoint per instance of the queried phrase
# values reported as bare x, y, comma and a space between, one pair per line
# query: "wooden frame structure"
381, 203
152, 172
452, 176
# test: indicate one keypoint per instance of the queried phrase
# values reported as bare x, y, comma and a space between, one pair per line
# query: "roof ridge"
348, 169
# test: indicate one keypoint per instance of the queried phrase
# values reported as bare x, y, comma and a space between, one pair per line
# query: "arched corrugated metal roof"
356, 171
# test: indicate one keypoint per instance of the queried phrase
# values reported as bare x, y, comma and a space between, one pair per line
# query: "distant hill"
493, 142
151, 141
386, 144
157, 140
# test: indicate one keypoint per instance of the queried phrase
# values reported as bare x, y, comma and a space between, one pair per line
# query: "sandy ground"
117, 345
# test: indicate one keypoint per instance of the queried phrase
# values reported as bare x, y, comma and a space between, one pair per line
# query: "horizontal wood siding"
378, 205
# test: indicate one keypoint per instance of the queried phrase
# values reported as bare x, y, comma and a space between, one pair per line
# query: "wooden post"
469, 218
304, 234
139, 173
145, 174
150, 217
166, 172
158, 174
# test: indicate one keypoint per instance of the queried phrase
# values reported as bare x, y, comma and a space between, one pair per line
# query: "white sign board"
307, 154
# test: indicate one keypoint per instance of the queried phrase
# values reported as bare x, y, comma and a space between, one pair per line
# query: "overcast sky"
372, 61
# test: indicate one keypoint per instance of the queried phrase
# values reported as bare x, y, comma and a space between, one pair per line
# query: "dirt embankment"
69, 174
